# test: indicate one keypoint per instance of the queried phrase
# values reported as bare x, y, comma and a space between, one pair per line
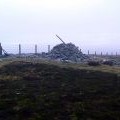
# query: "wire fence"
25, 48
37, 48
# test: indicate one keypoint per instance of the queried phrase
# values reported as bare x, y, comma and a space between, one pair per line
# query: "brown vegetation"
56, 92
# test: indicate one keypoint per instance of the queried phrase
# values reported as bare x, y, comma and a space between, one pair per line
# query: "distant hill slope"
48, 92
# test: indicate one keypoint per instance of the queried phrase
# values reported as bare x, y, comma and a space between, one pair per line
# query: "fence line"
30, 48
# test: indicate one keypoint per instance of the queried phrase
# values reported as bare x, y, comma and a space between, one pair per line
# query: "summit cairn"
67, 51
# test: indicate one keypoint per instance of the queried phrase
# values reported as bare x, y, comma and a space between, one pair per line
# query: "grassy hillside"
42, 91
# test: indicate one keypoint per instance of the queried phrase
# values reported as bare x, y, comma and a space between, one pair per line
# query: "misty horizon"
30, 48
91, 25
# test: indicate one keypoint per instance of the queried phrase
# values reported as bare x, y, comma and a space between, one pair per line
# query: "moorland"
47, 91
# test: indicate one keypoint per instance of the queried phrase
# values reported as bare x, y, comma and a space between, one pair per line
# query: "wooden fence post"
19, 49
35, 49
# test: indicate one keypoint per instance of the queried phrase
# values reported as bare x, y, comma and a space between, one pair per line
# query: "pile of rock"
67, 52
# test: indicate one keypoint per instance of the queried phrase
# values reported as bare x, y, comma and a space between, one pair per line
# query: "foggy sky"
89, 24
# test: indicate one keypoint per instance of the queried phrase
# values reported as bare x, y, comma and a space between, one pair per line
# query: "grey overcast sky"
89, 24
